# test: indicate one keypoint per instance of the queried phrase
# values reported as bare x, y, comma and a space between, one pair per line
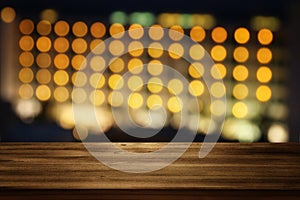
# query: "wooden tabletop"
228, 167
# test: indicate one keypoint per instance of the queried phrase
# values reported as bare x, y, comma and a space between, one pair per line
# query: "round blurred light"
240, 91
265, 36
78, 95
135, 31
154, 102
196, 70
175, 50
116, 47
135, 48
61, 28
155, 50
79, 45
278, 133
240, 110
79, 29
263, 93
218, 53
197, 34
197, 52
241, 35
61, 45
241, 54
116, 30
43, 92
135, 83
97, 46
115, 81
26, 26
155, 67
156, 32
98, 30
43, 76
264, 74
143, 18
44, 27
116, 65
155, 85
49, 15
135, 65
115, 99
43, 44
264, 55
174, 104
80, 135
217, 89
8, 14
97, 63
97, 97
218, 71
175, 86
97, 80
26, 59
78, 62
219, 34
61, 61
26, 43
240, 73
26, 75
61, 94
25, 91
61, 77
135, 100
176, 32
217, 107
79, 79
43, 60
196, 88
118, 17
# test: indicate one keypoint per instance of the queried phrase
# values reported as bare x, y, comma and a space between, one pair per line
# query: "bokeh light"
278, 133
43, 44
79, 79
8, 14
241, 35
240, 110
98, 30
26, 59
176, 50
155, 85
175, 86
156, 32
196, 70
43, 60
155, 67
217, 89
116, 30
176, 32
26, 75
218, 53
44, 27
61, 28
218, 71
79, 62
218, 107
135, 31
78, 95
154, 102
79, 45
97, 97
263, 93
135, 83
26, 91
264, 55
135, 65
97, 63
240, 91
117, 65
265, 36
135, 48
61, 61
240, 73
116, 47
97, 46
197, 34
43, 76
43, 92
115, 99
155, 50
241, 54
61, 94
175, 104
197, 52
196, 88
61, 44
61, 77
135, 100
49, 15
26, 43
26, 26
115, 82
97, 80
264, 74
79, 29
219, 34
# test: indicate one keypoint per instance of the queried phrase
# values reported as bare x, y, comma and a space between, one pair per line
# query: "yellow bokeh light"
155, 85
241, 54
26, 43
197, 52
176, 32
79, 45
217, 89
240, 110
135, 31
43, 76
135, 83
97, 80
61, 28
98, 63
116, 30
43, 60
25, 91
265, 36
78, 95
155, 50
26, 26
43, 92
50, 15
61, 77
175, 86
264, 74
115, 99
135, 65
97, 46
116, 47
218, 71
240, 91
218, 108
196, 88
154, 102
116, 65
197, 34
218, 53
155, 67
61, 94
219, 34
156, 32
241, 35
26, 75
176, 50
264, 55
97, 97
115, 81
61, 61
26, 59
79, 29
78, 62
135, 48
175, 104
98, 30
263, 93
8, 14
79, 79
43, 44
135, 100
61, 45
44, 27
240, 73
196, 70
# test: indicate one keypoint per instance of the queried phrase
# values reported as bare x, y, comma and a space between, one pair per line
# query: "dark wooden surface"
230, 170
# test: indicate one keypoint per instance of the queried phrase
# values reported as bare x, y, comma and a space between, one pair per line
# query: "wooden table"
231, 170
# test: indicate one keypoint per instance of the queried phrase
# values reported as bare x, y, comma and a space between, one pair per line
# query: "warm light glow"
264, 55
26, 59
176, 32
116, 30
8, 14
135, 48
218, 53
97, 97
135, 65
79, 45
79, 79
97, 46
278, 133
49, 15
240, 91
155, 50
115, 82
26, 43
78, 62
61, 77
218, 108
197, 52
240, 110
156, 32
264, 74
196, 70
241, 35
26, 75
155, 85
44, 27
135, 83
43, 92
263, 93
61, 61
116, 65
26, 26
154, 102
61, 94
61, 28
241, 54
61, 45
78, 95
43, 60
97, 80
97, 63
218, 71
155, 67
175, 86
175, 50
197, 34
43, 44
135, 31
98, 30
175, 104
240, 73
135, 100
265, 36
79, 29
204, 20
43, 76
25, 91
115, 99
118, 17
196, 88
116, 47
219, 34
217, 89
